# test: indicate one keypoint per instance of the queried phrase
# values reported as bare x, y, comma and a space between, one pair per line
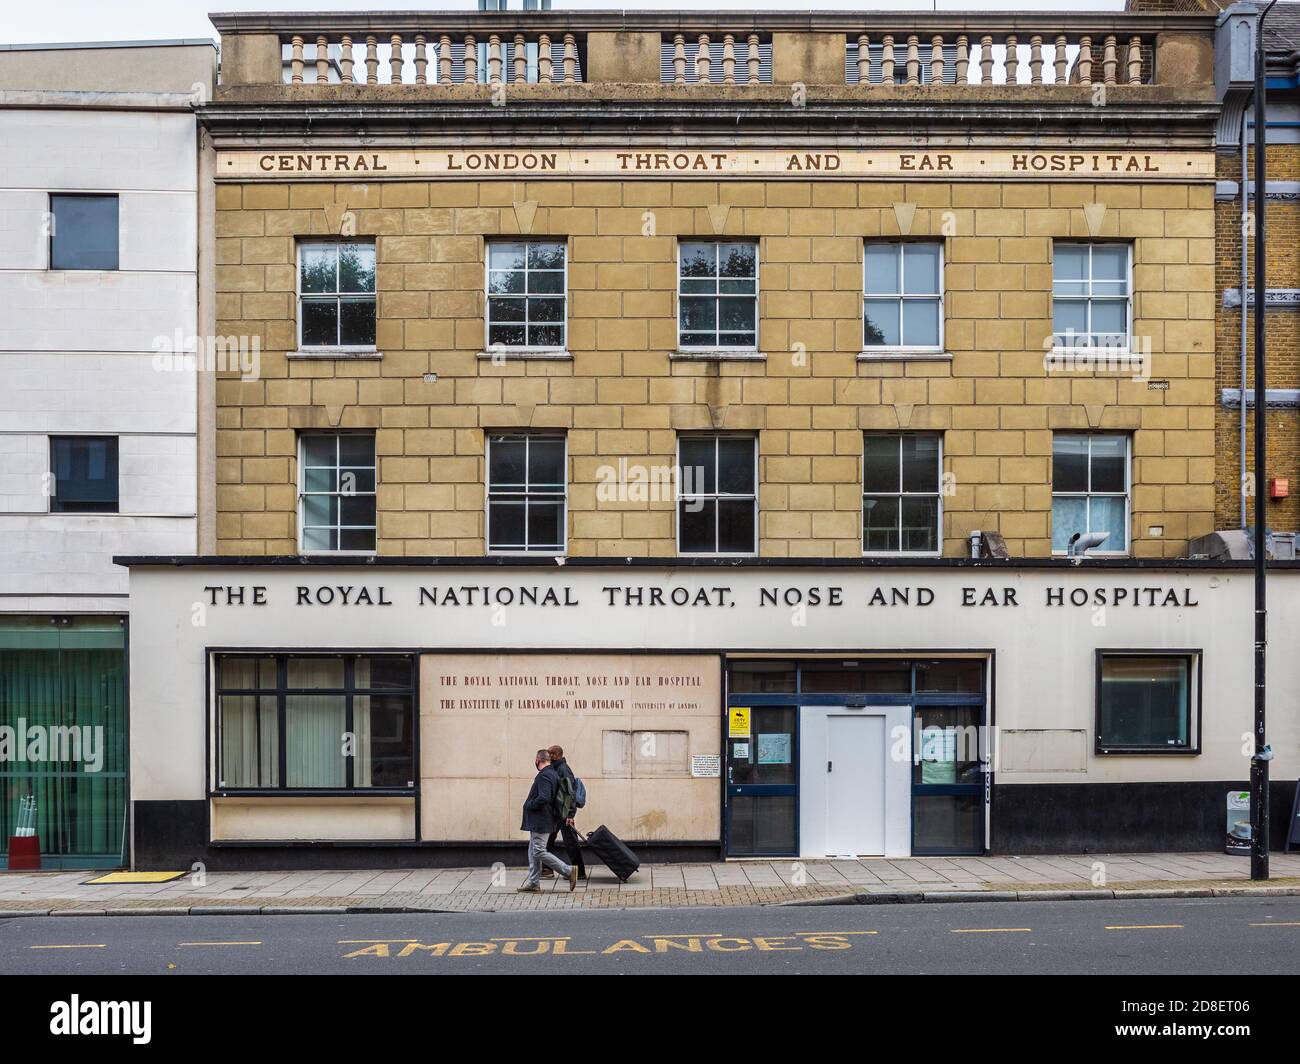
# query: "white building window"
717, 296
526, 493
336, 295
83, 231
1091, 297
336, 492
902, 288
1090, 490
526, 290
717, 494
901, 496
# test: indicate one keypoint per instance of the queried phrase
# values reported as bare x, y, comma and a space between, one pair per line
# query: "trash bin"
24, 853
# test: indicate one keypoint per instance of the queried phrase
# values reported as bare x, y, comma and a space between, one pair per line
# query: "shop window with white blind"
315, 722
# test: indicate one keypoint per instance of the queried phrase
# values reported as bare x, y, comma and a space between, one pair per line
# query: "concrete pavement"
722, 884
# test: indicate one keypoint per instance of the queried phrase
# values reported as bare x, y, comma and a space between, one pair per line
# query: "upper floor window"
1091, 304
717, 295
336, 294
901, 497
526, 493
1090, 482
903, 296
336, 492
85, 474
717, 496
83, 232
526, 294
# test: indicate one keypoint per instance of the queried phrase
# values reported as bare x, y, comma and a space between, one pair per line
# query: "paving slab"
726, 883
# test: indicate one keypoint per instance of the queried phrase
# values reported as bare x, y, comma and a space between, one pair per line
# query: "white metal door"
854, 781
855, 785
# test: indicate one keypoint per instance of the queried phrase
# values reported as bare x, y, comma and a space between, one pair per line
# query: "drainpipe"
1245, 280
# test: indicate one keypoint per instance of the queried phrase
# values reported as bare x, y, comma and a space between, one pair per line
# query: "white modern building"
100, 208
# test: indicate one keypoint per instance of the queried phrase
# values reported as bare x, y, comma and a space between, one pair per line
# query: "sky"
96, 20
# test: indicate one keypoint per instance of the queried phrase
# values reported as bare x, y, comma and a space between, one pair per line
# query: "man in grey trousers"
540, 820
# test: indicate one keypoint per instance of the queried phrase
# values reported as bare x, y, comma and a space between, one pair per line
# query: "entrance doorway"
855, 794
808, 774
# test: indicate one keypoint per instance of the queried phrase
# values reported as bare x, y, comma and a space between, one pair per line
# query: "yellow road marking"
84, 945
837, 932
257, 943
1279, 923
985, 930
1142, 927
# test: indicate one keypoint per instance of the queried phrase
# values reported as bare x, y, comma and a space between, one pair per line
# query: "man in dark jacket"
566, 828
539, 821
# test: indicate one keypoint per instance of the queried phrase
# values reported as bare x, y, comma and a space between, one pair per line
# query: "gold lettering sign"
641, 162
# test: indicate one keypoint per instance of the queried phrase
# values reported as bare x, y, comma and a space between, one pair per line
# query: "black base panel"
1042, 818
173, 835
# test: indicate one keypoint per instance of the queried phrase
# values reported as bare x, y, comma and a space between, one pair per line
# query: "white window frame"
680, 497
884, 350
517, 350
345, 349
900, 494
1099, 552
303, 493
1124, 352
703, 350
562, 498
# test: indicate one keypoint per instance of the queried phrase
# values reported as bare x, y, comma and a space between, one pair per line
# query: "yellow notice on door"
738, 724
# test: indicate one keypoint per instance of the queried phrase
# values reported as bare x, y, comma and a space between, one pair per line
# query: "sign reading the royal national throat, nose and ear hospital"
636, 161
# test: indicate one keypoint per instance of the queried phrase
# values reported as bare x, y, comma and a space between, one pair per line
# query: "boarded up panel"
1043, 750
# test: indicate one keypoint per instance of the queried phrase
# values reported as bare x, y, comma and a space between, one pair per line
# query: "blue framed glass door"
763, 785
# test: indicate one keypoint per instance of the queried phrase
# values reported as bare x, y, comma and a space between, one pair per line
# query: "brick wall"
1282, 344
622, 396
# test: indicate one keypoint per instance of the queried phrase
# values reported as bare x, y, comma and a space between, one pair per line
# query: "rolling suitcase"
613, 852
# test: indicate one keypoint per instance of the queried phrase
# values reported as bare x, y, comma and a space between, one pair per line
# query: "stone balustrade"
960, 51
1029, 58
431, 58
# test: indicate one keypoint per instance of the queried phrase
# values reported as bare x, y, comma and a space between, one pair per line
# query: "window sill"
337, 553
717, 354
903, 354
526, 354
902, 554
1092, 357
1154, 751
336, 352
314, 792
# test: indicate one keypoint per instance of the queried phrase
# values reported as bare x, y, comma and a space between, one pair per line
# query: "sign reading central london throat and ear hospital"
659, 161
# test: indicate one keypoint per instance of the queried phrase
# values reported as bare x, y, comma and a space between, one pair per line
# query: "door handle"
828, 765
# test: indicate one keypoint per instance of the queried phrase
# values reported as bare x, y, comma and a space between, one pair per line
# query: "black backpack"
566, 796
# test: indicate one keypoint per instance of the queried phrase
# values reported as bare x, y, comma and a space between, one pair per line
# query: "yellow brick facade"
623, 396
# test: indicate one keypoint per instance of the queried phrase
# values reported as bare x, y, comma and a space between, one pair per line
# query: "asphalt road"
1232, 936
